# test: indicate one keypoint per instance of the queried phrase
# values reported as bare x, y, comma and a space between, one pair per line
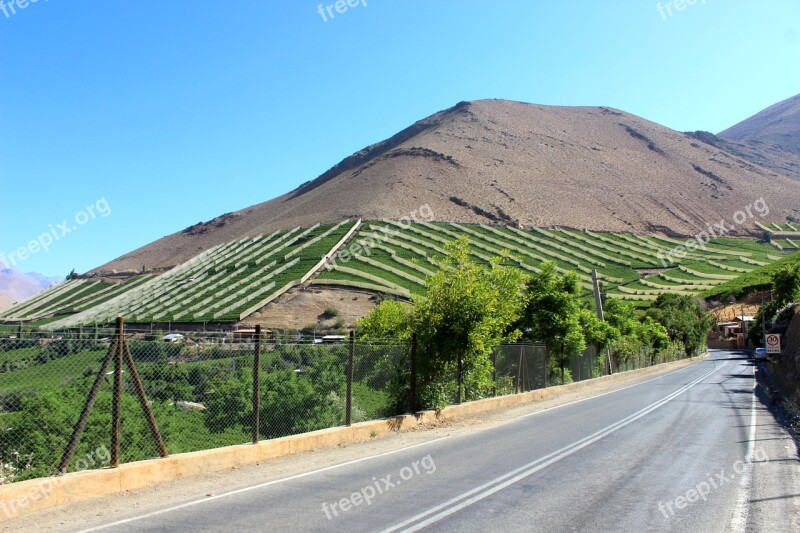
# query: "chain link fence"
206, 390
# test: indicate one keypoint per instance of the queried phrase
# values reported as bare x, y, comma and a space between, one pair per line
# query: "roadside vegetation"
198, 404
760, 279
778, 312
469, 309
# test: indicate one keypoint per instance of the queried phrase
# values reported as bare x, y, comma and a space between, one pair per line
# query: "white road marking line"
739, 520
255, 487
485, 490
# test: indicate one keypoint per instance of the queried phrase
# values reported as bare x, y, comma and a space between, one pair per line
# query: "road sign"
773, 343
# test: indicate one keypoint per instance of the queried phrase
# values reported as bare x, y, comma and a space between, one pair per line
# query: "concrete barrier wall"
28, 496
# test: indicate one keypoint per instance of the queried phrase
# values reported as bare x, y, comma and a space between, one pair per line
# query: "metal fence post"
349, 402
116, 403
546, 358
494, 372
460, 379
413, 363
257, 385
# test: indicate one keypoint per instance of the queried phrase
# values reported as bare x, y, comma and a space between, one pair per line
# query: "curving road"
669, 454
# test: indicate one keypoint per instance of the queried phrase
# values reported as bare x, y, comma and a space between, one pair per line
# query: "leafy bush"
154, 351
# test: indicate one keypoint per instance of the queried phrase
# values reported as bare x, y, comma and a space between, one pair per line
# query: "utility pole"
598, 301
744, 326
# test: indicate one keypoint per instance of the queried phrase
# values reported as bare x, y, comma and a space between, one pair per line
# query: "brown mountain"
770, 138
777, 126
766, 155
494, 161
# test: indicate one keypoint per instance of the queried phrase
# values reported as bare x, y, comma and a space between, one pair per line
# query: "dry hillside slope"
777, 125
510, 162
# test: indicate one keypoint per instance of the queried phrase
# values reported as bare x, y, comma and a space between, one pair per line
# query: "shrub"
154, 351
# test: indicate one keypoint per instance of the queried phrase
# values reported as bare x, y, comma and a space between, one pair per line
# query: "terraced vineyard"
778, 229
785, 237
231, 281
630, 267
71, 297
223, 284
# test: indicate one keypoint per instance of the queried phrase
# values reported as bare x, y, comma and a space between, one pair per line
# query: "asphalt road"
669, 454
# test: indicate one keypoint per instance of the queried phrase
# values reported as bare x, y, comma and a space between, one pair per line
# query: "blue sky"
162, 114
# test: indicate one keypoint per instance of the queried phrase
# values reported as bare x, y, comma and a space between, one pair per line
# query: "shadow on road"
771, 399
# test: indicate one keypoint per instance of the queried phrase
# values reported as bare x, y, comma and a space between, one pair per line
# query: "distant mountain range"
495, 161
17, 286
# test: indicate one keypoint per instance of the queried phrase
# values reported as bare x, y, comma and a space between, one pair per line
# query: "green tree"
622, 317
786, 285
785, 289
467, 312
229, 406
684, 320
389, 320
553, 315
600, 334
654, 336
